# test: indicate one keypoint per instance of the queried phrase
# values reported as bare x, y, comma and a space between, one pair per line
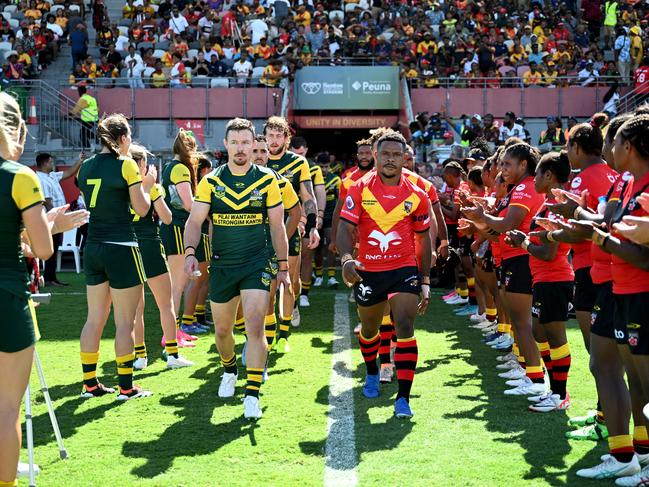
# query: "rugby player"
112, 184
296, 169
391, 216
238, 197
332, 184
156, 271
299, 147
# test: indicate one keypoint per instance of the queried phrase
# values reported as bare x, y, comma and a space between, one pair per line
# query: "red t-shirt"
597, 179
557, 269
526, 197
641, 79
600, 272
387, 218
628, 279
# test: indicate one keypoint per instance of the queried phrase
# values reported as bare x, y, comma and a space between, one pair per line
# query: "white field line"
340, 447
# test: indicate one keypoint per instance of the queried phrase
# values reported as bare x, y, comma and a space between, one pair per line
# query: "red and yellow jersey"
423, 184
628, 279
557, 269
597, 179
354, 175
524, 196
386, 217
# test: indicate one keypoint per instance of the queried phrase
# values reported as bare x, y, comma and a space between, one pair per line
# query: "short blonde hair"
12, 128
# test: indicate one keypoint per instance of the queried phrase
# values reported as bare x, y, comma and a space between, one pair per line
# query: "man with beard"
240, 197
295, 168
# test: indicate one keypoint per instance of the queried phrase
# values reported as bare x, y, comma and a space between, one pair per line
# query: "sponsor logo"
364, 292
255, 199
633, 326
373, 87
633, 339
575, 183
407, 206
611, 178
536, 312
311, 88
619, 334
593, 318
382, 240
413, 280
520, 187
237, 219
219, 192
239, 185
349, 203
389, 196
626, 176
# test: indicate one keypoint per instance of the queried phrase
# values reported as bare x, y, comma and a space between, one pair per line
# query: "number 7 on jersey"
96, 184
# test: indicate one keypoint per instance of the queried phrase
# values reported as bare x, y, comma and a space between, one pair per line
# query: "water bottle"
601, 205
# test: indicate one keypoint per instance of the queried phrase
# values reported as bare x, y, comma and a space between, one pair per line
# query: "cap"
551, 119
477, 117
635, 30
476, 155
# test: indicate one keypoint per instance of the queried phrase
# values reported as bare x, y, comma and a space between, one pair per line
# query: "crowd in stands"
488, 43
31, 33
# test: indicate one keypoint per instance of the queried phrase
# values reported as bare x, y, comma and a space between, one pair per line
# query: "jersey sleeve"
180, 174
26, 189
157, 192
522, 196
318, 178
273, 194
204, 191
131, 172
305, 173
344, 187
351, 210
421, 216
289, 196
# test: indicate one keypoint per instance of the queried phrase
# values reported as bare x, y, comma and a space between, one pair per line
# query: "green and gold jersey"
104, 181
293, 167
20, 189
289, 200
146, 228
332, 187
316, 175
175, 173
239, 208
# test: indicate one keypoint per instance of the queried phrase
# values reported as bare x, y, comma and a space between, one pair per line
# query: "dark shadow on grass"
194, 433
541, 435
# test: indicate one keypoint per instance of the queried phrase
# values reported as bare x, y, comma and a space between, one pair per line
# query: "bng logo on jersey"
382, 240
349, 202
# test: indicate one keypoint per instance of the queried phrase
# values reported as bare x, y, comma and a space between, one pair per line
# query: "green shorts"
273, 267
18, 327
227, 283
295, 244
172, 239
120, 265
203, 250
153, 257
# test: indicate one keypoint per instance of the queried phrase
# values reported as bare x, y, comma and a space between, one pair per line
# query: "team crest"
219, 192
265, 278
407, 206
255, 198
349, 202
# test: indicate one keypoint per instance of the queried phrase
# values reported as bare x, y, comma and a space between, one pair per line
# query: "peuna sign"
347, 88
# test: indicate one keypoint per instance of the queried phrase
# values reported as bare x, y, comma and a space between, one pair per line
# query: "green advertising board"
347, 88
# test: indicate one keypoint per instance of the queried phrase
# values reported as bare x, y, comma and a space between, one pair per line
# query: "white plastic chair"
69, 245
219, 83
10, 8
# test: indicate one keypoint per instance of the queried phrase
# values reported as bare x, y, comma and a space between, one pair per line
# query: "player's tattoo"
309, 207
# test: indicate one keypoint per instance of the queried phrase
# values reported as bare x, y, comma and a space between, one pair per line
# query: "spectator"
610, 21
178, 23
510, 128
490, 130
533, 77
179, 76
158, 77
526, 133
51, 183
535, 56
257, 28
133, 56
217, 67
13, 70
637, 52
134, 74
588, 75
87, 110
79, 44
552, 138
611, 99
623, 54
273, 74
202, 67
242, 69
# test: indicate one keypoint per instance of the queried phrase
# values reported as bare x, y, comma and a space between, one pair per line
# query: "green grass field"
465, 431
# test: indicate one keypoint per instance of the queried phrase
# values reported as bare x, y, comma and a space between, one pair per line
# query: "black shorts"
585, 291
377, 287
488, 261
517, 275
295, 244
602, 319
551, 300
633, 320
